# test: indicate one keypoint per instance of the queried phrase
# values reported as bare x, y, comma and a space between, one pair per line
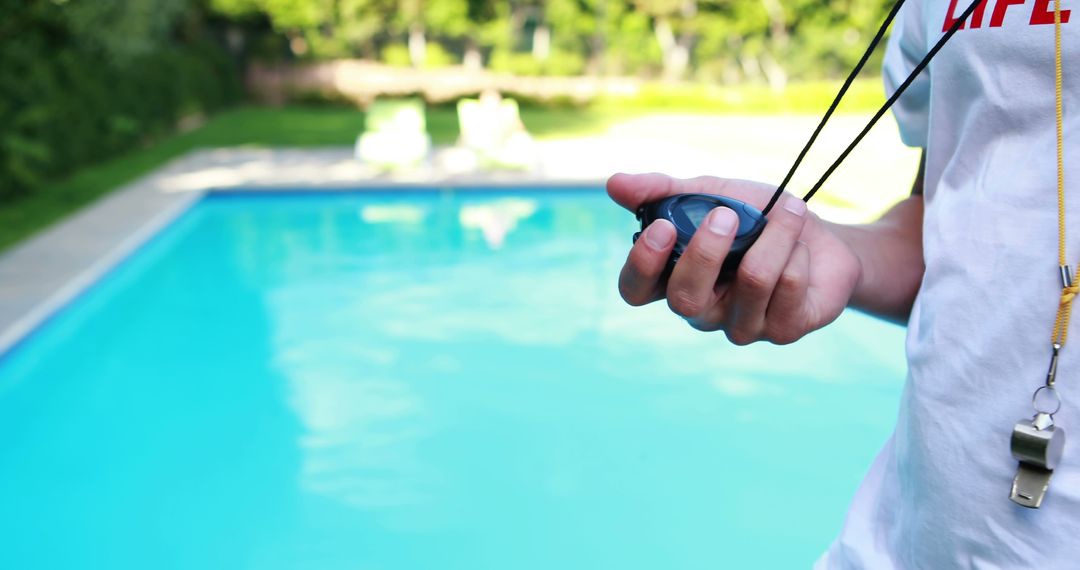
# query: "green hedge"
63, 106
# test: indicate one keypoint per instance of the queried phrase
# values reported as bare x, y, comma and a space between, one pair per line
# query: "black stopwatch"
687, 211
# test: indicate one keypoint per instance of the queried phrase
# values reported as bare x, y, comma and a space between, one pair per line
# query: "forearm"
891, 256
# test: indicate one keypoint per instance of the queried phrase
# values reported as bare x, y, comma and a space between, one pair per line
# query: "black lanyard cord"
881, 112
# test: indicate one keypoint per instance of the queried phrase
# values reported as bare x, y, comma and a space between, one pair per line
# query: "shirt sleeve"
906, 48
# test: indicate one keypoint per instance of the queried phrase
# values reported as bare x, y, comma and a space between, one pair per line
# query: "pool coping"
45, 273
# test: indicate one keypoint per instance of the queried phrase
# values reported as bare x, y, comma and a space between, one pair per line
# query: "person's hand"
795, 279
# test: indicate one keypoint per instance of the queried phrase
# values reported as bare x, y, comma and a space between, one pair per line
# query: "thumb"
632, 190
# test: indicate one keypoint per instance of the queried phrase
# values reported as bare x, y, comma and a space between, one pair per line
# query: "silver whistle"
1038, 445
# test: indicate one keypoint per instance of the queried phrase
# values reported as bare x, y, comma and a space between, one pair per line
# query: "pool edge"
74, 285
45, 273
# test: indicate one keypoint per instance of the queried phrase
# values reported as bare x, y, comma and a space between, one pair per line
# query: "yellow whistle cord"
1070, 288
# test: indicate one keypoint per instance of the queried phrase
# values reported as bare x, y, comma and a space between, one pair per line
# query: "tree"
318, 28
122, 29
670, 19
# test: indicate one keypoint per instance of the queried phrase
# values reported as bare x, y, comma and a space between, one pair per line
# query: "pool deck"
42, 274
45, 272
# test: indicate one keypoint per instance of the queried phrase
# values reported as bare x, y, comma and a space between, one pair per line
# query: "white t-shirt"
978, 345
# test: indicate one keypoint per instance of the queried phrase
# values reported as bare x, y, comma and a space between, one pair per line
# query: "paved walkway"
42, 274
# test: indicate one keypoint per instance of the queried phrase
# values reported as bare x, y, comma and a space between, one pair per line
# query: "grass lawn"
336, 126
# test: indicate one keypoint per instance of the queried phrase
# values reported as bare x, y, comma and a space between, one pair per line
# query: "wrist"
889, 266
863, 293
852, 236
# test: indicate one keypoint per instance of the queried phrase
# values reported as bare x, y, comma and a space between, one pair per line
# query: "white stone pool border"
43, 274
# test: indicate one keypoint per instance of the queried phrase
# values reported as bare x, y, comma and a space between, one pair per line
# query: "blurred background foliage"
86, 80
83, 80
710, 40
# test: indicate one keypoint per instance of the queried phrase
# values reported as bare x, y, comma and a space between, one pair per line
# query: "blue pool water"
416, 381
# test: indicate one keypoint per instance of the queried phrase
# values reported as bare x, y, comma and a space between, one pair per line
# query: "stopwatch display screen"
696, 210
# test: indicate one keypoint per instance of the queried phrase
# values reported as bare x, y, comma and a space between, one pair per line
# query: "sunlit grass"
812, 97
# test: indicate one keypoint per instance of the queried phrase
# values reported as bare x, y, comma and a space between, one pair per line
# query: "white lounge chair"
395, 134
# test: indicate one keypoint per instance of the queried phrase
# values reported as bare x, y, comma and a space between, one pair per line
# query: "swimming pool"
416, 380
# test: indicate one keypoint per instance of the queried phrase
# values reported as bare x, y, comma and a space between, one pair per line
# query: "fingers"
691, 290
632, 190
768, 298
761, 269
640, 279
786, 318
